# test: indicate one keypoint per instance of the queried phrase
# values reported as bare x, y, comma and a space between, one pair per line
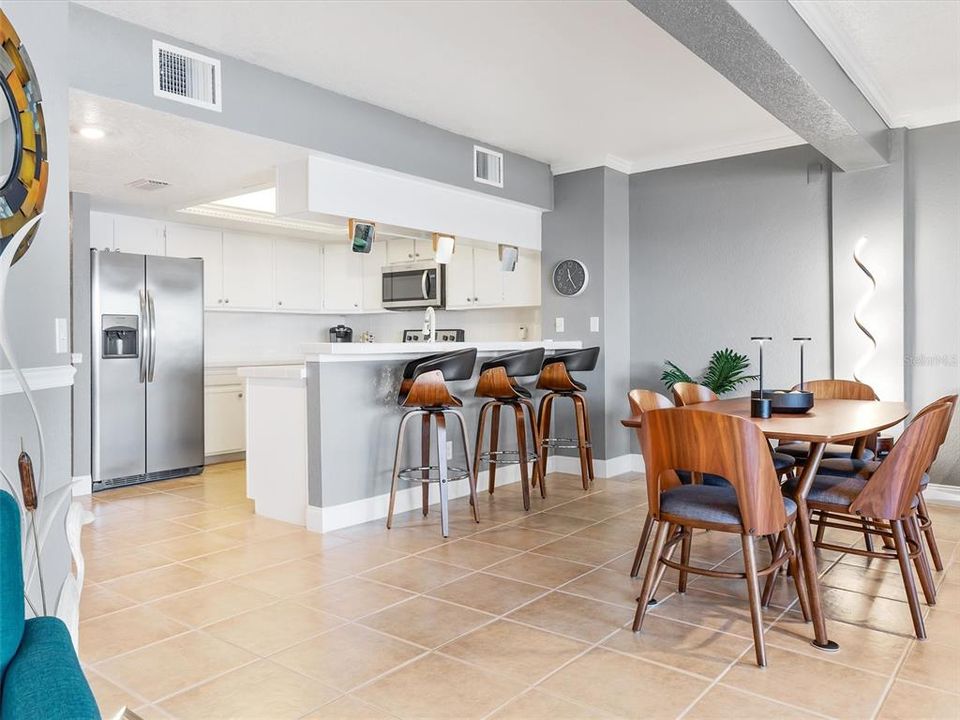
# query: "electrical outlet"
558, 324
62, 330
594, 324
449, 449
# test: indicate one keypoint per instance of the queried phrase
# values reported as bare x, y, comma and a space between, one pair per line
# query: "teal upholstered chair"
40, 675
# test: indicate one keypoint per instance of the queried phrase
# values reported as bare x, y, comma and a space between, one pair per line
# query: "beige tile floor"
194, 607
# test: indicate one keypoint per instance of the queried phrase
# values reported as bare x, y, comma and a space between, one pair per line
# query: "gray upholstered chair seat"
800, 450
847, 467
708, 504
783, 462
832, 489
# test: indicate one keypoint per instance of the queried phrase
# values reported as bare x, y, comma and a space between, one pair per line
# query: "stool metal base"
565, 443
431, 474
495, 457
581, 444
505, 457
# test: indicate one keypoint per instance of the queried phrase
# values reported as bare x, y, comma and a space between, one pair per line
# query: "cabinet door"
101, 231
138, 235
342, 290
487, 277
400, 250
459, 276
190, 241
298, 274
423, 250
224, 419
247, 271
522, 286
372, 263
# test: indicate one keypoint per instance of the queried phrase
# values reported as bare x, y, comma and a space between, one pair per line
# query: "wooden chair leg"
753, 590
920, 561
867, 537
581, 441
522, 454
684, 558
538, 472
653, 564
543, 423
425, 461
441, 423
478, 446
642, 545
821, 527
797, 573
494, 444
909, 584
927, 525
589, 436
770, 585
671, 532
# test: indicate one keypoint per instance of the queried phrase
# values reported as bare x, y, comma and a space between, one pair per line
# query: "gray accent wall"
112, 58
724, 250
932, 269
80, 330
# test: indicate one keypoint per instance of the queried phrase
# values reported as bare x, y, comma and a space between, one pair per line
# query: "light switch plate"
558, 324
76, 358
594, 324
63, 335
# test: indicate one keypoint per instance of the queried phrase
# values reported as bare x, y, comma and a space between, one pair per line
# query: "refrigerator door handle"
152, 314
142, 349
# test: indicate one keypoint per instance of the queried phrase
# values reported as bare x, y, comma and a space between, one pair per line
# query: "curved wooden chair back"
642, 401
725, 445
838, 390
951, 402
556, 378
890, 491
685, 393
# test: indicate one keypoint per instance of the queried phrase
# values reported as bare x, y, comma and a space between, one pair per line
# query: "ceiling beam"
769, 52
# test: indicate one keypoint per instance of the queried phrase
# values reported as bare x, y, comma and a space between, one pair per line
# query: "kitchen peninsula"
321, 435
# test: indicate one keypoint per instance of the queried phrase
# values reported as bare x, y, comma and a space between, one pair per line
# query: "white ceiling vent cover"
185, 76
487, 166
148, 184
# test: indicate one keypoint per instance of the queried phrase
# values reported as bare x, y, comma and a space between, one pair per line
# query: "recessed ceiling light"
264, 201
92, 133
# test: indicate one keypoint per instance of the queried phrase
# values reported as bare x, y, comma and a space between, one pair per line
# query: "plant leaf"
727, 371
672, 375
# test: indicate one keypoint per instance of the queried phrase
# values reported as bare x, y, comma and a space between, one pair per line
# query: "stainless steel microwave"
413, 285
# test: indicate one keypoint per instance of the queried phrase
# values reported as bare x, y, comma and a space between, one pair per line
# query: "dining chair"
833, 390
685, 394
885, 504
752, 506
846, 467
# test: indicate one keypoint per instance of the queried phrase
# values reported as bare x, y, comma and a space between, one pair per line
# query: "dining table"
829, 421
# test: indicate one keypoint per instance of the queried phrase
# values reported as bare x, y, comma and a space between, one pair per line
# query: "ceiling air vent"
186, 76
148, 184
487, 166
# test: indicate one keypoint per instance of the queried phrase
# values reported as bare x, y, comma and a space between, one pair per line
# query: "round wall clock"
570, 277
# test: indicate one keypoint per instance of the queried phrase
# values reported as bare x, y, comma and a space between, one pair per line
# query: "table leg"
807, 551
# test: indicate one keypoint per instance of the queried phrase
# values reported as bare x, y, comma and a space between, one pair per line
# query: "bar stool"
498, 382
556, 380
424, 388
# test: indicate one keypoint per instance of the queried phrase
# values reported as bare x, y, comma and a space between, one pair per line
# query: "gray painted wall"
80, 336
112, 58
932, 291
723, 250
39, 286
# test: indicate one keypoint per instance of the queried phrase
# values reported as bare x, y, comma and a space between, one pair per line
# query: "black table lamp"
760, 406
801, 340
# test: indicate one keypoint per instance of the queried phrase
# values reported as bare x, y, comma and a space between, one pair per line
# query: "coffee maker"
341, 334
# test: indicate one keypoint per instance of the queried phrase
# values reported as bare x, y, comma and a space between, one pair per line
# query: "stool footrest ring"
505, 457
415, 474
562, 443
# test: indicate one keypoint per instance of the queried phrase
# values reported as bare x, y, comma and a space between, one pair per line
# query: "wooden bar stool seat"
556, 379
424, 391
498, 381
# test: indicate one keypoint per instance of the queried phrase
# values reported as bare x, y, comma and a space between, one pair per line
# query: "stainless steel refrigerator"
147, 376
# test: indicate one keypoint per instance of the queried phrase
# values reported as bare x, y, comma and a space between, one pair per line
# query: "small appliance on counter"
442, 336
341, 334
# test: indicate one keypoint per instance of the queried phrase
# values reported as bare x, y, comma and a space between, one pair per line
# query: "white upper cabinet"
298, 271
138, 235
190, 241
372, 264
342, 287
522, 286
487, 277
247, 271
459, 278
408, 250
101, 231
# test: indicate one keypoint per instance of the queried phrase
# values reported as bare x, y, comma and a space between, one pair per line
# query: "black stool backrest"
517, 364
456, 365
576, 360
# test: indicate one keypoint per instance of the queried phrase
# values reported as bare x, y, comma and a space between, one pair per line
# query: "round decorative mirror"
23, 141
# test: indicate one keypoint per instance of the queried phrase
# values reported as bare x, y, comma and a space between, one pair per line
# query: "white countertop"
340, 352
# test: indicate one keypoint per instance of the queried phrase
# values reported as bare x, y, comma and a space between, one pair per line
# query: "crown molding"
846, 56
714, 152
932, 116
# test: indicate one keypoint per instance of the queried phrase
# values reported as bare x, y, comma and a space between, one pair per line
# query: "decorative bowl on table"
793, 402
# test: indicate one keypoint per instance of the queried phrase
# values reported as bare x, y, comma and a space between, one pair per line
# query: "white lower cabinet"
224, 424
342, 284
298, 269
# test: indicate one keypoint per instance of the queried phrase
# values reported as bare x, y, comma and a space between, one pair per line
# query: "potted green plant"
726, 371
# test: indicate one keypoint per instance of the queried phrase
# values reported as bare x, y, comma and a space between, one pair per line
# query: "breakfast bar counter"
321, 435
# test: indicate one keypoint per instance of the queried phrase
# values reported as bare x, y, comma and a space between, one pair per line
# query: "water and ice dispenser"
119, 336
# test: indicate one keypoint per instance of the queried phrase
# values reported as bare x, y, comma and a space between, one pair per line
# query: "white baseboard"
82, 485
937, 494
335, 517
601, 468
